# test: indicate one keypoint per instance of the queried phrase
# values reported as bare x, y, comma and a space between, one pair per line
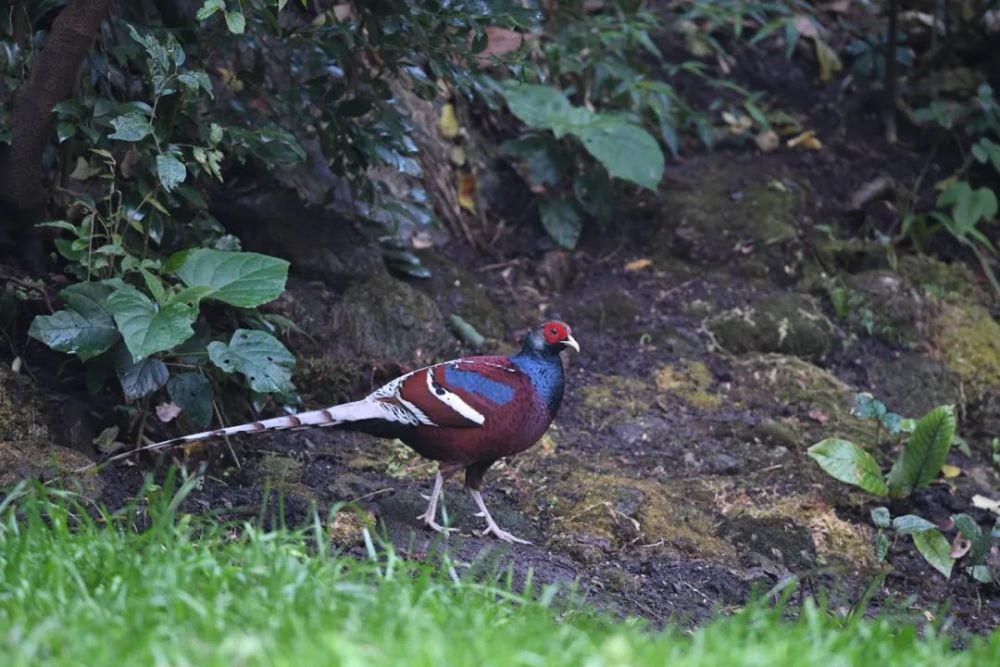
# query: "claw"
491, 526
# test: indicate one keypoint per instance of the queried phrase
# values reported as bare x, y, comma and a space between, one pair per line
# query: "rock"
385, 319
785, 323
320, 244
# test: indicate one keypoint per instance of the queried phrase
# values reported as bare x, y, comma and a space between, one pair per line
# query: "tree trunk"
50, 81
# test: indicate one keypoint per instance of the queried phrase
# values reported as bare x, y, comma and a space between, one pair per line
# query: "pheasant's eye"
554, 331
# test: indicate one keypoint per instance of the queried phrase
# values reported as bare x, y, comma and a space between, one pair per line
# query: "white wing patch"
453, 400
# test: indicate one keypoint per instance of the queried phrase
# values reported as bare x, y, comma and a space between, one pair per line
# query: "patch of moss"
460, 292
773, 380
786, 323
968, 340
630, 511
691, 384
283, 474
28, 458
614, 394
953, 282
20, 413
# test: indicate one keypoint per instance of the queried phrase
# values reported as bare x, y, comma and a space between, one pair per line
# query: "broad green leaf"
195, 80
236, 22
85, 328
266, 363
936, 550
881, 517
981, 573
210, 7
244, 279
848, 463
131, 127
924, 453
561, 221
911, 523
538, 106
141, 378
627, 151
867, 406
170, 170
968, 206
146, 327
65, 131
192, 393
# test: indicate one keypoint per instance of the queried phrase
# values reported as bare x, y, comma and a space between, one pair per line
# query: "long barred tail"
331, 416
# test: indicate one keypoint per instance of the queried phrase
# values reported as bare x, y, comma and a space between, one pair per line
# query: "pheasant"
466, 413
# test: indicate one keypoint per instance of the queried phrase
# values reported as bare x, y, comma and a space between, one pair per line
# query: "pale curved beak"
571, 342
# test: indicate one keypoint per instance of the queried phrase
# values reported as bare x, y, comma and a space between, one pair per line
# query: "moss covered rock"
691, 383
458, 291
967, 339
784, 323
726, 211
388, 319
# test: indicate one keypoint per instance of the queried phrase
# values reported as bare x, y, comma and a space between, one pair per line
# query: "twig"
229, 445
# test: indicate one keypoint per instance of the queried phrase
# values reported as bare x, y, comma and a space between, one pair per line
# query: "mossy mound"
691, 383
20, 410
33, 459
630, 512
785, 323
388, 319
325, 381
283, 475
952, 282
968, 340
730, 212
912, 384
818, 403
891, 308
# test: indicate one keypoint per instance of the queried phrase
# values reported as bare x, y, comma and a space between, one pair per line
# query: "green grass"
75, 591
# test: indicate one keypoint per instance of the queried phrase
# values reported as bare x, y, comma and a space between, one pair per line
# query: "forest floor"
675, 479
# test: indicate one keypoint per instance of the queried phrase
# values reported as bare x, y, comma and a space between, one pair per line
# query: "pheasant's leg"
491, 526
428, 516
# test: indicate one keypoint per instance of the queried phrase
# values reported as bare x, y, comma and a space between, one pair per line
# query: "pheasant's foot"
491, 526
429, 521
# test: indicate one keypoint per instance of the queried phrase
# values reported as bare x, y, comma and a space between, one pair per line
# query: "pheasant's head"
552, 338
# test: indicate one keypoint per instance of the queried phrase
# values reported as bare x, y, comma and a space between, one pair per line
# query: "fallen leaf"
928, 615
737, 122
950, 471
422, 240
829, 61
767, 140
192, 448
960, 547
984, 503
167, 412
638, 265
448, 123
344, 12
467, 192
805, 27
818, 416
838, 6
457, 155
15, 365
807, 140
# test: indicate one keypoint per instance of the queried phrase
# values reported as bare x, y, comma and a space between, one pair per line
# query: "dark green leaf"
924, 453
848, 463
85, 329
867, 406
911, 523
881, 547
538, 106
971, 531
192, 393
146, 327
65, 131
981, 573
627, 151
131, 127
141, 378
244, 279
210, 7
561, 221
236, 22
881, 517
170, 170
936, 550
259, 356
